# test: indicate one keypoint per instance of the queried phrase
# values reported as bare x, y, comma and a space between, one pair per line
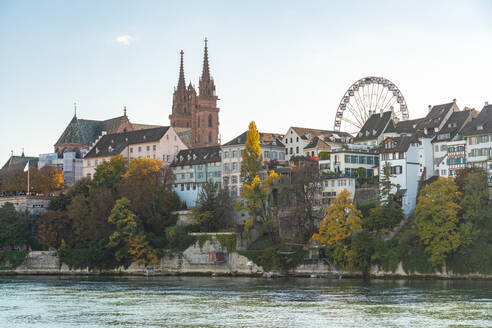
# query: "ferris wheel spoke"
360, 104
356, 116
352, 122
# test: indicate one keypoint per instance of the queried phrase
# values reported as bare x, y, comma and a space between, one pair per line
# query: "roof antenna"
23, 152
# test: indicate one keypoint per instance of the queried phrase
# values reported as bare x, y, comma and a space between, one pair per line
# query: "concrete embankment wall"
195, 261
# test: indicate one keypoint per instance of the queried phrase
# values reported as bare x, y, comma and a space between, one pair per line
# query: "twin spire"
205, 74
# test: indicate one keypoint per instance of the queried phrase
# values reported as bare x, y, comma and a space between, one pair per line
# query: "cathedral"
196, 115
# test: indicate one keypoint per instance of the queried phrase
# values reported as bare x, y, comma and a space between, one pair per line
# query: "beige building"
158, 143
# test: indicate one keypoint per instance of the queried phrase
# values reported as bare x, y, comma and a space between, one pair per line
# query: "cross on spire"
181, 81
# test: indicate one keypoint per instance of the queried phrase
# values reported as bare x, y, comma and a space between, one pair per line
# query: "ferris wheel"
368, 96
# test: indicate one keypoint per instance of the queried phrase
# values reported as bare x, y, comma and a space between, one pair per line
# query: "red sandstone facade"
197, 112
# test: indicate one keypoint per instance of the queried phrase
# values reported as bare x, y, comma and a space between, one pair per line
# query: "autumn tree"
146, 185
258, 202
128, 240
475, 201
213, 207
48, 179
436, 220
252, 162
14, 227
341, 220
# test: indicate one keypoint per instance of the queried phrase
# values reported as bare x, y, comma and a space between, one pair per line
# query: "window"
191, 175
234, 179
370, 160
267, 154
187, 186
96, 163
139, 149
443, 172
347, 158
286, 151
183, 176
297, 139
200, 175
226, 167
273, 154
401, 155
291, 150
233, 154
194, 186
234, 166
290, 140
88, 163
148, 148
436, 148
168, 157
182, 187
131, 149
209, 137
282, 155
209, 120
154, 147
226, 154
226, 181
297, 150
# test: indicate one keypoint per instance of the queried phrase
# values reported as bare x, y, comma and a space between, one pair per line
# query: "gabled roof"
16, 162
453, 125
85, 132
436, 115
482, 124
374, 126
196, 156
114, 144
317, 142
401, 144
404, 127
266, 139
304, 132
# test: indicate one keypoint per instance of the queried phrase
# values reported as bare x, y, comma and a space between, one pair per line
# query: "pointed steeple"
206, 84
181, 81
206, 68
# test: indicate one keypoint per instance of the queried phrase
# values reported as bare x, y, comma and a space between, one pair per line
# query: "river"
241, 302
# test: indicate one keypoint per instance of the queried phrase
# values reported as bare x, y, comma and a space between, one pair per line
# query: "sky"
279, 63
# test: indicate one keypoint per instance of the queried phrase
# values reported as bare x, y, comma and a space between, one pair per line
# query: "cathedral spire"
206, 84
206, 68
181, 81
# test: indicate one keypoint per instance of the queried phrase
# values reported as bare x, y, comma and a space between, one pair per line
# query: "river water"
241, 302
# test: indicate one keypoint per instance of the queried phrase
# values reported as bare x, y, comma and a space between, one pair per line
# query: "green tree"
475, 201
53, 227
361, 175
213, 207
108, 174
252, 160
14, 229
436, 219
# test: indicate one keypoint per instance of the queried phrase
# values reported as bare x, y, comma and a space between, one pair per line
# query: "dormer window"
480, 127
374, 132
144, 137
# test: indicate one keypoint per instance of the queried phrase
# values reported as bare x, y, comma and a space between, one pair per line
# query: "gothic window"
185, 110
187, 124
209, 120
209, 135
198, 122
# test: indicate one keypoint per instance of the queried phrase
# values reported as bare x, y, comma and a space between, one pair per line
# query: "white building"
402, 154
192, 168
333, 184
297, 139
478, 136
71, 164
272, 149
348, 160
158, 143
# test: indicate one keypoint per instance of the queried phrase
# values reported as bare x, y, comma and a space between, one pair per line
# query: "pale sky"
280, 63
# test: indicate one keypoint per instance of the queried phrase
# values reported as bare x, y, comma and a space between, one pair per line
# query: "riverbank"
195, 262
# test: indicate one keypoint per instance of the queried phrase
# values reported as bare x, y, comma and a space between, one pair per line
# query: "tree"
257, 201
108, 174
146, 185
212, 207
14, 229
475, 200
385, 185
306, 182
436, 219
128, 239
361, 175
48, 179
252, 159
53, 227
341, 220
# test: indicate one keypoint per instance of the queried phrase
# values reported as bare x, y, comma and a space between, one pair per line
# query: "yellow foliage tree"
140, 250
341, 220
252, 159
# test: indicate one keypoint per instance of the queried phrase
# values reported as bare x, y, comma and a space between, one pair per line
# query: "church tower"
184, 101
206, 118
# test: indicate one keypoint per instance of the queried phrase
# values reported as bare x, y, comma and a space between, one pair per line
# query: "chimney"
454, 100
430, 107
486, 103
